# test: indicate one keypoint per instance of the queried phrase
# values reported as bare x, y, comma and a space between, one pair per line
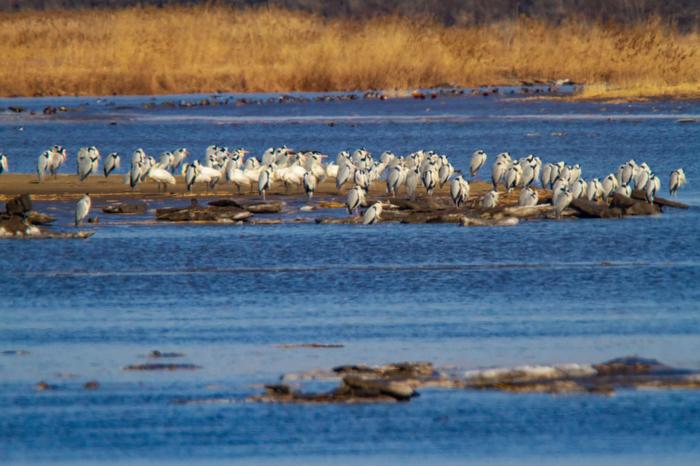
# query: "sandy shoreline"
68, 187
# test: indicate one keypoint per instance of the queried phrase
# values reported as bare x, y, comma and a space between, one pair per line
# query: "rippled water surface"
229, 296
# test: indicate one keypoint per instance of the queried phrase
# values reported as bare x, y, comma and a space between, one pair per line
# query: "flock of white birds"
306, 169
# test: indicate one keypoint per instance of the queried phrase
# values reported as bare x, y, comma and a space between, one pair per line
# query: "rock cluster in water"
400, 381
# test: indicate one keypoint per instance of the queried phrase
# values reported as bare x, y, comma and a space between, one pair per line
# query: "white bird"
309, 184
87, 162
393, 181
179, 157
546, 178
265, 181
355, 198
111, 163
412, 180
561, 200
578, 188
610, 184
58, 157
42, 165
625, 190
677, 180
627, 172
372, 214
161, 176
167, 160
498, 171
4, 167
513, 176
528, 197
490, 200
361, 179
459, 191
594, 190
478, 160
236, 176
651, 188
345, 173
428, 180
82, 209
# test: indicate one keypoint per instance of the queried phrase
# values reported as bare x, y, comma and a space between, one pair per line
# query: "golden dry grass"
213, 48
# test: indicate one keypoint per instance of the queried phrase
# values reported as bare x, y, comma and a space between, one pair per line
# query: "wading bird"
82, 209
677, 180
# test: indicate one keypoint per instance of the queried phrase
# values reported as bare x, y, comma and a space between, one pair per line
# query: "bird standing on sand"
478, 160
161, 176
87, 162
112, 162
459, 191
4, 167
42, 165
372, 215
82, 209
429, 180
677, 180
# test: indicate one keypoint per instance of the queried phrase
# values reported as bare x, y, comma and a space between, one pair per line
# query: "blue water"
227, 296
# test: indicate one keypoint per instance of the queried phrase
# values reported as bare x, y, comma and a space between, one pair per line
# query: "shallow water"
228, 296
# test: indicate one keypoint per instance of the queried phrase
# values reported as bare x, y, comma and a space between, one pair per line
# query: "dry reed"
214, 48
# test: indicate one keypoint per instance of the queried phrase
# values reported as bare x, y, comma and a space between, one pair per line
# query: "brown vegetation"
215, 48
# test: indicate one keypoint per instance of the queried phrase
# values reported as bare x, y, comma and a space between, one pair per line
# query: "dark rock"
126, 209
14, 353
160, 354
202, 214
37, 218
44, 386
311, 345
267, 207
19, 205
161, 367
590, 209
16, 109
91, 385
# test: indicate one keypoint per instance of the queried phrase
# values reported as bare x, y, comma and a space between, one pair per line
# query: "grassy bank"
207, 49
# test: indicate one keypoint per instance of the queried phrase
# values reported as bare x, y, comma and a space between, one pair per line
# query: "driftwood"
478, 222
660, 201
126, 209
338, 220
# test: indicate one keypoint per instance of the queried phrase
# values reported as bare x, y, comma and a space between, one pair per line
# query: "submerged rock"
126, 209
161, 367
160, 354
196, 213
